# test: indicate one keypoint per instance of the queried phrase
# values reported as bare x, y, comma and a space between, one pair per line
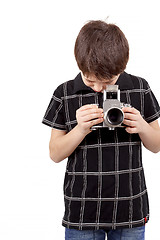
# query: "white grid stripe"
93, 94
130, 172
99, 170
68, 119
108, 224
99, 179
110, 144
84, 188
106, 173
141, 96
66, 106
140, 181
156, 115
116, 181
84, 176
52, 124
130, 184
107, 199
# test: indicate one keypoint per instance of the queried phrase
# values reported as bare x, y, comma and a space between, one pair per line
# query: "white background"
36, 55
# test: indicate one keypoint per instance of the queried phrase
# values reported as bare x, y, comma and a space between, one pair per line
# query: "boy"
104, 186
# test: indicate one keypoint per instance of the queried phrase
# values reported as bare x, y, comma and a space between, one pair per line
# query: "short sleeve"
54, 116
151, 105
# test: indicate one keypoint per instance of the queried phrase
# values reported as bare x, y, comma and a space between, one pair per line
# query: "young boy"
104, 186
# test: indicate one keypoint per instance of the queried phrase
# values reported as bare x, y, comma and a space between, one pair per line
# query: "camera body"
112, 108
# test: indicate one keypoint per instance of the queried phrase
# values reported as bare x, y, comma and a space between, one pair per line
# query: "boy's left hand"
134, 121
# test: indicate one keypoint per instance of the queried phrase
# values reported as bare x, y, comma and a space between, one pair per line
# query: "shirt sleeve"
151, 105
54, 116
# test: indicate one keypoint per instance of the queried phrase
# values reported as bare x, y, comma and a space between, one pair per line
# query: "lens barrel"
114, 116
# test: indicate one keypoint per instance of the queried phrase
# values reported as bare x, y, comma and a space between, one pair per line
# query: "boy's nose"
99, 87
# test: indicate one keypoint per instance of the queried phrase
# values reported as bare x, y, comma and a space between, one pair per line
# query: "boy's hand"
87, 116
134, 121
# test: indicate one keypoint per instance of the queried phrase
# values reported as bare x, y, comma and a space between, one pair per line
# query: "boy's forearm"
151, 138
148, 132
65, 145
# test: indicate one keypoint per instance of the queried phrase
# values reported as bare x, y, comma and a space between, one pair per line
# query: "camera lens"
115, 116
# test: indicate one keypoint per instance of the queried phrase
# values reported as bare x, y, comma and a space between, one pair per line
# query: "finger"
130, 110
91, 111
131, 130
92, 116
130, 116
129, 123
95, 122
89, 106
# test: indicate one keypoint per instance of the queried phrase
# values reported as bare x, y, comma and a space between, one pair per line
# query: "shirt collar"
79, 85
124, 81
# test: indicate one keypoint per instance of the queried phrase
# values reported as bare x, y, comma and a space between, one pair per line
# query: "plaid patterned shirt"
104, 185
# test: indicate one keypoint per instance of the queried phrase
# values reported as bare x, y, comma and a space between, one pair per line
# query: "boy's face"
96, 84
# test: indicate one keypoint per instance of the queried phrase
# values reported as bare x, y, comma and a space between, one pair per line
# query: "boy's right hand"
87, 116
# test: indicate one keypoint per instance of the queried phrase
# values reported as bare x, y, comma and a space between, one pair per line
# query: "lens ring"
115, 116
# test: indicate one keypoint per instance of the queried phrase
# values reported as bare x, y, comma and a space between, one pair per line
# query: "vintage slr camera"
112, 109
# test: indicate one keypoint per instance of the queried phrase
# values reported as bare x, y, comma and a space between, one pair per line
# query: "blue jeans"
136, 233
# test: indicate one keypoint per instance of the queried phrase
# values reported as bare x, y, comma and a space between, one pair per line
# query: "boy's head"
101, 50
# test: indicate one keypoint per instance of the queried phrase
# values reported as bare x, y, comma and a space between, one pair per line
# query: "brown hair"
101, 49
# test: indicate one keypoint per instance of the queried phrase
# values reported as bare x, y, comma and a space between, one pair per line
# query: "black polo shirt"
104, 186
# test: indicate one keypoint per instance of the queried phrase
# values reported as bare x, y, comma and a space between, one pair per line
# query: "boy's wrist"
144, 127
81, 132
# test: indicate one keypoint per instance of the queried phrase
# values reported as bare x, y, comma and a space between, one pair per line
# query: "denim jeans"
137, 233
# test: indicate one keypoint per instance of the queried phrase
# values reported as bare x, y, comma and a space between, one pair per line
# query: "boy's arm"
148, 132
62, 144
151, 137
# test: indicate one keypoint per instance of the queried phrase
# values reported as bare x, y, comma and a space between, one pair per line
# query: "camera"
112, 109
